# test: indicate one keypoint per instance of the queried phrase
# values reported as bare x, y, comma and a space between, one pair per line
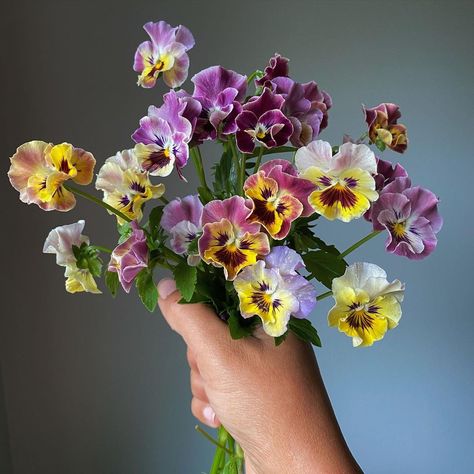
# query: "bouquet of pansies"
244, 242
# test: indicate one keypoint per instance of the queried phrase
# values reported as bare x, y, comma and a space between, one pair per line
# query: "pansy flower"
345, 186
273, 290
367, 305
220, 92
60, 242
262, 293
125, 185
287, 262
262, 122
386, 173
163, 136
130, 257
229, 240
411, 218
277, 67
39, 170
182, 221
384, 130
279, 196
165, 54
306, 106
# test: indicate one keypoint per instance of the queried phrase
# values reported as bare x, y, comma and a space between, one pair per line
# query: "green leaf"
237, 328
125, 230
225, 175
185, 277
193, 245
324, 266
278, 340
95, 266
147, 289
154, 219
303, 329
112, 282
76, 251
204, 194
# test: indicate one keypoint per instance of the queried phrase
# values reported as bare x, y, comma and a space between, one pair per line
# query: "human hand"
271, 399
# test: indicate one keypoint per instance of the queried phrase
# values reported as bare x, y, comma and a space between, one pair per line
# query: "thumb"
195, 323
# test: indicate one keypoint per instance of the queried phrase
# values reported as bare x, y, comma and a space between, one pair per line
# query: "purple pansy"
182, 221
386, 173
164, 54
220, 92
277, 67
411, 217
130, 257
262, 122
287, 263
163, 136
306, 106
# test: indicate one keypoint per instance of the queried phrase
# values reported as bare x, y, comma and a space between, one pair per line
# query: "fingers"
197, 386
204, 413
194, 322
191, 360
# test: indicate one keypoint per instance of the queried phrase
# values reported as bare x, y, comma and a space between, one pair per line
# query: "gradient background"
99, 386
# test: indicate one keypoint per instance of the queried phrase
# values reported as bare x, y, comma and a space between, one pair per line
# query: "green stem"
211, 439
197, 160
323, 295
259, 159
253, 76
220, 451
102, 249
171, 255
359, 243
239, 165
98, 201
164, 200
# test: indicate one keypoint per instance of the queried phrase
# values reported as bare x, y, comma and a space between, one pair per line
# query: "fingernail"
166, 287
209, 415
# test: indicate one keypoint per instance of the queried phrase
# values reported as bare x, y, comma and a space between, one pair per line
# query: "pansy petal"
316, 154
84, 162
28, 159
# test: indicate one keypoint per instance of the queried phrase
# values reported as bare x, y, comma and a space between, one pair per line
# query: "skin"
272, 400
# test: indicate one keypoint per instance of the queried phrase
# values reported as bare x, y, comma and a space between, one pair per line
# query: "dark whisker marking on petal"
338, 193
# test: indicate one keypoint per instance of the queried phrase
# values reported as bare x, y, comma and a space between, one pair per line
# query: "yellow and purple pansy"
345, 185
229, 240
279, 196
165, 54
384, 130
163, 136
126, 185
273, 290
39, 170
367, 305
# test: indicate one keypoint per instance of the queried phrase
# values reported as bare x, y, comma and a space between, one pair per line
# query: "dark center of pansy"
398, 229
157, 160
362, 316
137, 187
338, 193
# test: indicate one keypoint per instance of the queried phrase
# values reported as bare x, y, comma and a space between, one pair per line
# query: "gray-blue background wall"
99, 386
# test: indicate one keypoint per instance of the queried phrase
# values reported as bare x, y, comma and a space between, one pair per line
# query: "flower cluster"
244, 244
